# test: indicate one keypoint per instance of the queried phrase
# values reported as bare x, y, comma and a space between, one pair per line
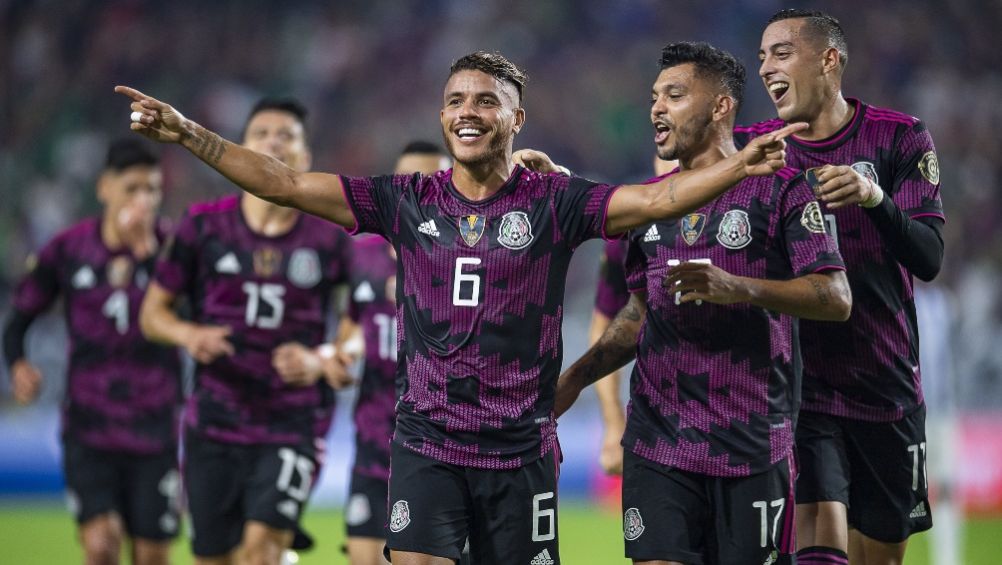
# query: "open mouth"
778, 89
661, 132
469, 134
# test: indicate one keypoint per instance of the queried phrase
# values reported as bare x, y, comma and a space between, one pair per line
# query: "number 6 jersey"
480, 288
268, 291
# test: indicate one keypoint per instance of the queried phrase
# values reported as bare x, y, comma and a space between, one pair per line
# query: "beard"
497, 144
688, 136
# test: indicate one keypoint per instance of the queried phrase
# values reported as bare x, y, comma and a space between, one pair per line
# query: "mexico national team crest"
929, 167
735, 230
400, 516
304, 268
812, 219
633, 524
267, 261
515, 231
692, 227
472, 228
866, 170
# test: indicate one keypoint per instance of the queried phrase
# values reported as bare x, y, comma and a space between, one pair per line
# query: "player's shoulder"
85, 232
752, 131
228, 204
886, 116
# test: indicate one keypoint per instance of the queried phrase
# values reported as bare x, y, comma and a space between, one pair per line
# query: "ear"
723, 106
103, 187
830, 60
519, 119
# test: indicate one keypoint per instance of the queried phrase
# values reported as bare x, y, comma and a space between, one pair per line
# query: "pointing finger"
131, 93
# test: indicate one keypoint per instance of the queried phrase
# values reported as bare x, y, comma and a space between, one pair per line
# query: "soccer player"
257, 275
484, 249
708, 469
372, 317
610, 297
861, 433
123, 392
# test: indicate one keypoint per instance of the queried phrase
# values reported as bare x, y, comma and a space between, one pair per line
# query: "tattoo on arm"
616, 347
672, 187
208, 146
823, 294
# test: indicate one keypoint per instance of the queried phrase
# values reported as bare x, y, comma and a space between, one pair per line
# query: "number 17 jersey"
480, 288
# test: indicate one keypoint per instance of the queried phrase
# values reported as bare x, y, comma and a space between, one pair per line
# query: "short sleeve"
176, 268
635, 265
581, 206
375, 201
809, 247
916, 174
612, 293
39, 288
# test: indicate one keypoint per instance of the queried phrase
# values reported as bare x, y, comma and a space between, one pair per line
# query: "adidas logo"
228, 264
542, 558
84, 278
919, 511
364, 293
652, 235
428, 228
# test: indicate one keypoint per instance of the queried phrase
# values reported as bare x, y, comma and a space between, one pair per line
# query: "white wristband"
875, 199
326, 351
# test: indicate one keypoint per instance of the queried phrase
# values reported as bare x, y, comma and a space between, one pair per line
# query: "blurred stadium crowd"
371, 73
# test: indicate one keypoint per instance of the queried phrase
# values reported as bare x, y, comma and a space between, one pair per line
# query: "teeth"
778, 86
469, 132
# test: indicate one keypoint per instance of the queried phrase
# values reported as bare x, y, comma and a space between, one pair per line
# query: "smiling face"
682, 107
480, 117
797, 69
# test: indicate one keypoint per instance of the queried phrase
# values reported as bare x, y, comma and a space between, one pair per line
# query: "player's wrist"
875, 197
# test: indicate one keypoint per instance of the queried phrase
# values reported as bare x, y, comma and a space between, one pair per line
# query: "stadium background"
371, 72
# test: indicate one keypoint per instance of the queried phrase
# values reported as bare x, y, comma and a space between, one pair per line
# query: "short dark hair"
422, 147
710, 62
287, 104
820, 26
494, 64
128, 152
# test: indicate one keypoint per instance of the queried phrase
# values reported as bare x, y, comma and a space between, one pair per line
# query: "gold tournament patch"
928, 165
692, 227
472, 228
267, 261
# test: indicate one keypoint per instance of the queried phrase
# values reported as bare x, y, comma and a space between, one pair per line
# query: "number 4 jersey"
122, 391
268, 291
480, 288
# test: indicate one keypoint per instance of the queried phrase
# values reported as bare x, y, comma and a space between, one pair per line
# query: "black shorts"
508, 516
877, 469
365, 512
675, 515
227, 485
143, 489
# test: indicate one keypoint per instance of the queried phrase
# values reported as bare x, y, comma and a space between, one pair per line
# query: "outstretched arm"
817, 296
319, 194
640, 204
616, 347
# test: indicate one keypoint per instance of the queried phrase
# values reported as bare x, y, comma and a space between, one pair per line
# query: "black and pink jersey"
123, 392
269, 291
612, 294
480, 289
372, 305
716, 388
868, 368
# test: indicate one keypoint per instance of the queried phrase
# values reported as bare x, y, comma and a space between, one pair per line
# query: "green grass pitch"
45, 534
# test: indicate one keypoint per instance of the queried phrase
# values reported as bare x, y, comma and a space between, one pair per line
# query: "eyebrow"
669, 86
775, 46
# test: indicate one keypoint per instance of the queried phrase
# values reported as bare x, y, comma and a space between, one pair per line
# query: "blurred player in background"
861, 434
610, 297
257, 275
119, 422
484, 249
372, 310
708, 471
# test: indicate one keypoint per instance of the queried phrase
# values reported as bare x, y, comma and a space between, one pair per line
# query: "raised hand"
26, 381
841, 185
207, 343
157, 120
766, 154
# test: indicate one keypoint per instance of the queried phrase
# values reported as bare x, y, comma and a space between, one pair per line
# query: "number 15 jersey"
480, 288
